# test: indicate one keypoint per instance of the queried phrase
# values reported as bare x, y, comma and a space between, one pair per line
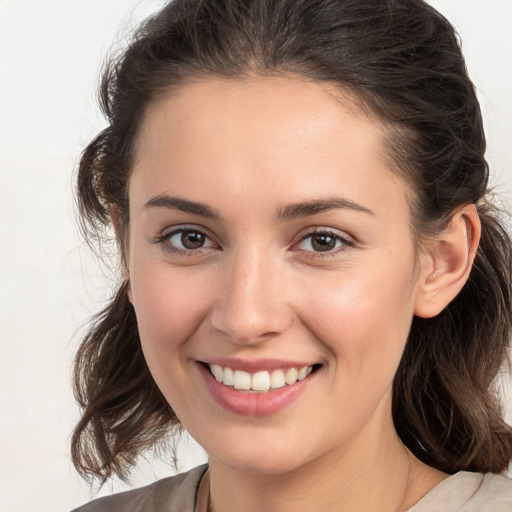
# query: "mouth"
261, 381
258, 387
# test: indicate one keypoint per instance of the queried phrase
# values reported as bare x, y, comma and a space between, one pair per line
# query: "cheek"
363, 316
169, 306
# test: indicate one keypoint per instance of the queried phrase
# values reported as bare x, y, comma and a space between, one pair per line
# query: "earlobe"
129, 293
448, 262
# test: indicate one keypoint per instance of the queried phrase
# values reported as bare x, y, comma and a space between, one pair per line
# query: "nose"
251, 305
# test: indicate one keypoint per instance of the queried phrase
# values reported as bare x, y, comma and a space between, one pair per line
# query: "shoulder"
494, 494
174, 494
469, 492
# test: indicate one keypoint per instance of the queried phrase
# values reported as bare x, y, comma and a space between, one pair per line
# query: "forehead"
277, 107
262, 136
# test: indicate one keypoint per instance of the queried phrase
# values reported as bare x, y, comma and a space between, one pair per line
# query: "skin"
259, 289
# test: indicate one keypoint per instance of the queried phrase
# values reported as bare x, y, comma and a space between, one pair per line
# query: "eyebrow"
184, 205
310, 208
289, 212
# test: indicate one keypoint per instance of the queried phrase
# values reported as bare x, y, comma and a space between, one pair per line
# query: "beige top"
462, 492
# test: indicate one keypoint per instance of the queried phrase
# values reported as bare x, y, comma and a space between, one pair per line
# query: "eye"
184, 240
323, 241
189, 239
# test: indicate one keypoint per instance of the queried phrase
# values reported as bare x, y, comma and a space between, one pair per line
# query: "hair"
402, 61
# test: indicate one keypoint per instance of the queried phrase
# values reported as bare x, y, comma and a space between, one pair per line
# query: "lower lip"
253, 404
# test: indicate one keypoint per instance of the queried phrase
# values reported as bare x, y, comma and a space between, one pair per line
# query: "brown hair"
402, 60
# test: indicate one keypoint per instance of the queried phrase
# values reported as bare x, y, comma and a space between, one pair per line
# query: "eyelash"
164, 240
346, 243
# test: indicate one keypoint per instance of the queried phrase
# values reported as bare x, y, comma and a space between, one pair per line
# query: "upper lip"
252, 366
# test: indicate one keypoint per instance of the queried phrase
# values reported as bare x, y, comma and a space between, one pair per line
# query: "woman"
315, 283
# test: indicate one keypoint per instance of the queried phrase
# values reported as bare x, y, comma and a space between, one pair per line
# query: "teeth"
229, 377
303, 373
291, 376
242, 380
217, 372
260, 381
277, 379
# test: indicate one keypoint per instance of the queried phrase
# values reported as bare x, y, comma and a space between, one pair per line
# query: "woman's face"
269, 242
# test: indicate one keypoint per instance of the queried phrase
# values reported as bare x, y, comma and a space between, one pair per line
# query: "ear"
446, 265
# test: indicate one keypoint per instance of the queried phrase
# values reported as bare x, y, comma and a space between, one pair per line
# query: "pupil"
323, 242
192, 239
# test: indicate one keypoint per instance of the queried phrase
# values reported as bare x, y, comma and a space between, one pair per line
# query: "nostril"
248, 311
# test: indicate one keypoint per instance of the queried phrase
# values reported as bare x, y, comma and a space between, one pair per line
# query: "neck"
374, 471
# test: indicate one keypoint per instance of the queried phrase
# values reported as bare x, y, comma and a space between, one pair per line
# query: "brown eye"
323, 242
192, 239
185, 241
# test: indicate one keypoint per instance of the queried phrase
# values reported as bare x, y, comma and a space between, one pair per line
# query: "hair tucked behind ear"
401, 60
446, 405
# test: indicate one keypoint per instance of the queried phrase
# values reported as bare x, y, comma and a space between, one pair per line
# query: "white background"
50, 56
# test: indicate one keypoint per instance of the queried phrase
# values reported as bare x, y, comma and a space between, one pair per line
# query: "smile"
256, 391
261, 381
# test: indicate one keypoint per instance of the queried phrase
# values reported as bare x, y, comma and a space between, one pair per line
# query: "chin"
269, 455
261, 463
